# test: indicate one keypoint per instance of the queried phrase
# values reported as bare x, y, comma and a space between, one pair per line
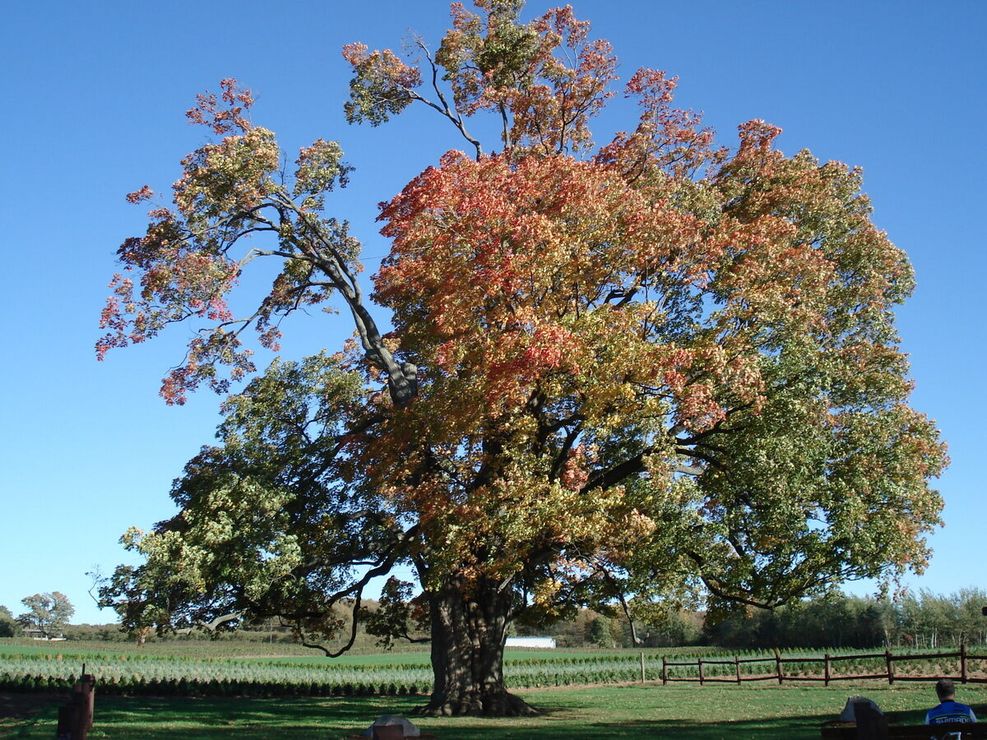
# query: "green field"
773, 712
201, 689
213, 669
225, 668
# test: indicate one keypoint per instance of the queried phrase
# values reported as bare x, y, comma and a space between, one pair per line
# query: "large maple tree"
614, 373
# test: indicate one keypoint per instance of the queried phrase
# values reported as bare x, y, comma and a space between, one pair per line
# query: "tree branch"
444, 109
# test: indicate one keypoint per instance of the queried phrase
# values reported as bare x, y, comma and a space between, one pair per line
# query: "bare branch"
456, 118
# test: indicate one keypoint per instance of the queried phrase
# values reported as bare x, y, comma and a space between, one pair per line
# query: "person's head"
945, 689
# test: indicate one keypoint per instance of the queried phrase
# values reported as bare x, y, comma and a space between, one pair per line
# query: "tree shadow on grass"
243, 717
151, 718
769, 728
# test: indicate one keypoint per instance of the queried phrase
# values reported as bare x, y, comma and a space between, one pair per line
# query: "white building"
531, 642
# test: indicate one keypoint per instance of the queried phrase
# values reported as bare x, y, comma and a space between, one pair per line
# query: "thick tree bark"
468, 633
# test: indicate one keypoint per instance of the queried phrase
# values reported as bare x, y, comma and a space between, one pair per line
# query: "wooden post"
736, 661
890, 663
700, 671
664, 671
642, 668
85, 699
962, 662
826, 669
76, 718
781, 676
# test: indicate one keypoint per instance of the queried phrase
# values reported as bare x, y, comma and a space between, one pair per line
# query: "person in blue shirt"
948, 710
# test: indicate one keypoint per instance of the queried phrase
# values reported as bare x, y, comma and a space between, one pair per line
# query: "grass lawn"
680, 711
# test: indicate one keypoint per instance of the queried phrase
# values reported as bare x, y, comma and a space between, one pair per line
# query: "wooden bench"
850, 731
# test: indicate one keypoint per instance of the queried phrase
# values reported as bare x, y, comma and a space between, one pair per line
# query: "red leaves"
666, 138
652, 86
384, 65
575, 472
223, 119
757, 135
113, 317
560, 25
145, 193
200, 366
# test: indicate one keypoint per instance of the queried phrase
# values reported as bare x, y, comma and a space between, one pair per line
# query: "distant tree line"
923, 620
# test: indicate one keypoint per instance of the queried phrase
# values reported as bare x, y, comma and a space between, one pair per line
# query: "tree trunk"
468, 633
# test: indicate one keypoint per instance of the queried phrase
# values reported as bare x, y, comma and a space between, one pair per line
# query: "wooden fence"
827, 675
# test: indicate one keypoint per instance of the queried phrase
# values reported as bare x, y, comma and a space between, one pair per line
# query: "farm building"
531, 642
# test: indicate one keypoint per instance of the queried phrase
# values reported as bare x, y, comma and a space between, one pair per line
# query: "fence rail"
827, 674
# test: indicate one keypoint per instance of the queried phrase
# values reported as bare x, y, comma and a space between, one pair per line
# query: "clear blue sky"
93, 96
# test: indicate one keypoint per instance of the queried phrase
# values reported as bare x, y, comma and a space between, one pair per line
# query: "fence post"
963, 662
887, 659
781, 676
736, 661
642, 668
75, 719
826, 669
700, 671
664, 671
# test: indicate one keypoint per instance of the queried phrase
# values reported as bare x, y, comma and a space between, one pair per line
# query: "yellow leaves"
545, 591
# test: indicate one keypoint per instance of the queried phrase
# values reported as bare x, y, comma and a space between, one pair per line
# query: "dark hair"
945, 687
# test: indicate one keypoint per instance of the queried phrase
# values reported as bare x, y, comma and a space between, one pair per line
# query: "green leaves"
381, 84
320, 167
271, 520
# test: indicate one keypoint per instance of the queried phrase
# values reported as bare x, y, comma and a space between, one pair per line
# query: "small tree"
7, 624
600, 632
48, 612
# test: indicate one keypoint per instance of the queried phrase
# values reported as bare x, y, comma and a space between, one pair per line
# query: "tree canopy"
656, 367
8, 625
48, 613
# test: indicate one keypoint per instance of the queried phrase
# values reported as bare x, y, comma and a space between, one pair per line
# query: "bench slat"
848, 730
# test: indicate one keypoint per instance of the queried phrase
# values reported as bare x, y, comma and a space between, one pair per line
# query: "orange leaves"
575, 472
757, 136
521, 358
508, 273
480, 252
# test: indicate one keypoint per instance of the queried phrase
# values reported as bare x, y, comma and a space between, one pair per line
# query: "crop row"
221, 678
209, 687
210, 676
100, 658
